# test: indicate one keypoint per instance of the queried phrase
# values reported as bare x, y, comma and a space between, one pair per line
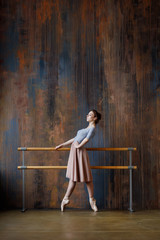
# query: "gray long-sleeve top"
85, 133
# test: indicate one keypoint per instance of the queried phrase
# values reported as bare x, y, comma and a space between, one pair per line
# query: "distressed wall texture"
61, 58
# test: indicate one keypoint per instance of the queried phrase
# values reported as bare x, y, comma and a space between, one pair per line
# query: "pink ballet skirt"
78, 167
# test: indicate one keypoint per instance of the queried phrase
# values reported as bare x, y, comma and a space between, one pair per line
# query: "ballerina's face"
91, 117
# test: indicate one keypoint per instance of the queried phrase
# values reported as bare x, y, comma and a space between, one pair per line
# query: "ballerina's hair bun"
96, 114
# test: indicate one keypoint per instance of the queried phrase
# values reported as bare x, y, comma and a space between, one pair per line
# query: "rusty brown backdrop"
61, 58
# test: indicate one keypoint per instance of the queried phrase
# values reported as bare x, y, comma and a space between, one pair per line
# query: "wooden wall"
61, 58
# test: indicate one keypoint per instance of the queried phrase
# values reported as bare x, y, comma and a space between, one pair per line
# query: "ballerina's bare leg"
91, 198
70, 188
65, 201
90, 188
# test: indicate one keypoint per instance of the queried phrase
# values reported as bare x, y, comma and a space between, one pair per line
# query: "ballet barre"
24, 167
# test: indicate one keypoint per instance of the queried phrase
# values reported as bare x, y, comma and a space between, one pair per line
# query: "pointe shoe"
93, 204
64, 202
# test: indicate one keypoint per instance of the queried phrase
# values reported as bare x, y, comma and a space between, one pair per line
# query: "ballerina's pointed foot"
64, 202
93, 204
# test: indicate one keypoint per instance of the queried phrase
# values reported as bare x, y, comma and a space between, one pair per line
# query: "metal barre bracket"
130, 167
130, 149
23, 149
23, 167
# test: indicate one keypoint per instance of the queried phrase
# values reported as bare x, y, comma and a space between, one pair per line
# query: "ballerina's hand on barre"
59, 146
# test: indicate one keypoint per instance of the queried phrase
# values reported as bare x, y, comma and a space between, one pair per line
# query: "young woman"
78, 168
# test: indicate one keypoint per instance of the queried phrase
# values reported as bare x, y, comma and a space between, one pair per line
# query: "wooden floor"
79, 225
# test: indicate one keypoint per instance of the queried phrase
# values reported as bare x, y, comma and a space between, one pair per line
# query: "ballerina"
78, 167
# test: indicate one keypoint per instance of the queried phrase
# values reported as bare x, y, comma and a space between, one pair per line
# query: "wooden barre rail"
67, 149
64, 167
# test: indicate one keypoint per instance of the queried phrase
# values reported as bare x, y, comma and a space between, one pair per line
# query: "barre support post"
23, 184
130, 181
